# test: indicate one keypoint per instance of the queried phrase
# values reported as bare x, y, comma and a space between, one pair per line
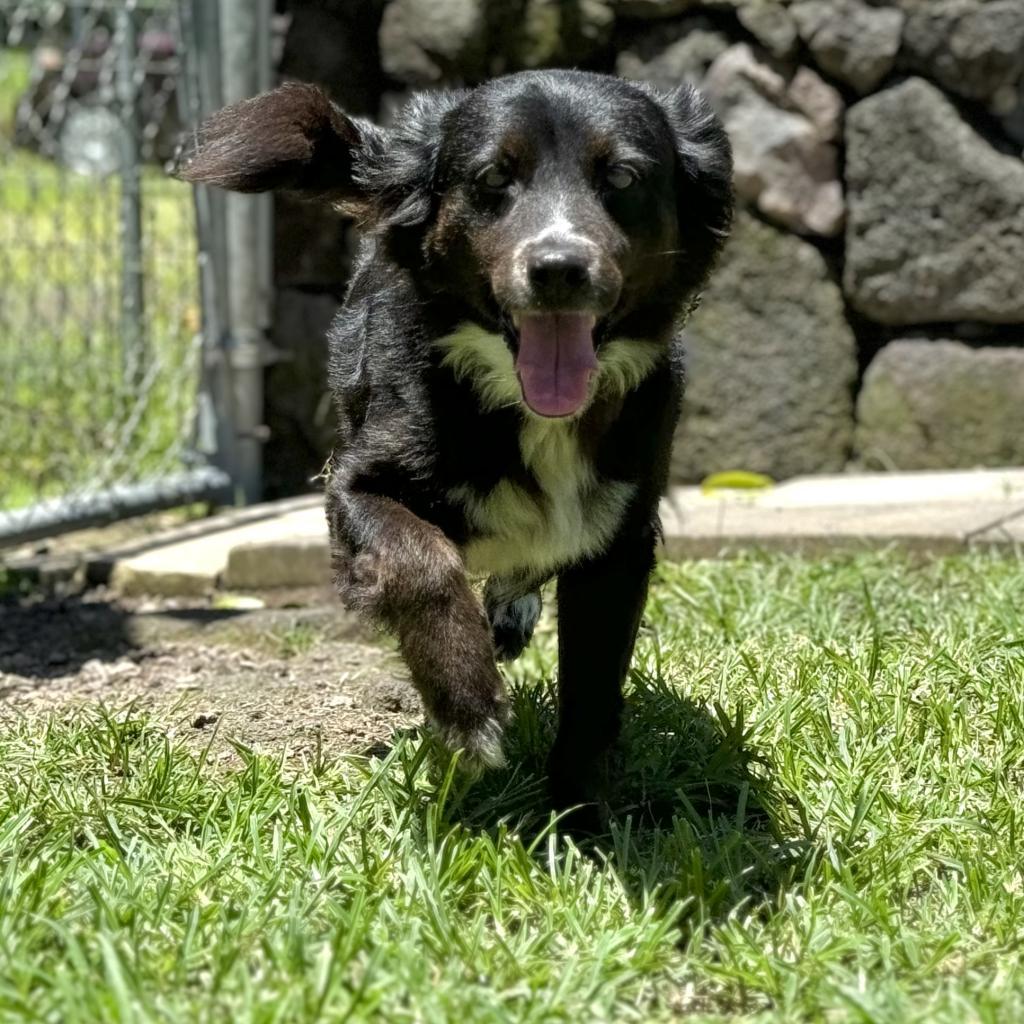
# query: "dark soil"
306, 680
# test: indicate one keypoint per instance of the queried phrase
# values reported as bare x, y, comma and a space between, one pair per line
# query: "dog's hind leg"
404, 573
513, 606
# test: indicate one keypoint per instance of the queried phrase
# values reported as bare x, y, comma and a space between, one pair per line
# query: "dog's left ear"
292, 138
704, 157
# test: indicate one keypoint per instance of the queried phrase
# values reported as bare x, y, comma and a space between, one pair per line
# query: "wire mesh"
99, 297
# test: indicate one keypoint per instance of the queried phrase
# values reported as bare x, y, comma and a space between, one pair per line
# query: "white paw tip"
481, 747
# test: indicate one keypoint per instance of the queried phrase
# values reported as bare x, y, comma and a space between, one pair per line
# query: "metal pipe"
201, 96
241, 26
266, 76
133, 337
98, 508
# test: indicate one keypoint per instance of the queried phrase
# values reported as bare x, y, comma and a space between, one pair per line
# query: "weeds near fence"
80, 409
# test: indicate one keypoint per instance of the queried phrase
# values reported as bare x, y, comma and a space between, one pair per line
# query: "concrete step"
284, 544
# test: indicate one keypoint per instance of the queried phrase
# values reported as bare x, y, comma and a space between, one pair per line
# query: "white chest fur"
572, 514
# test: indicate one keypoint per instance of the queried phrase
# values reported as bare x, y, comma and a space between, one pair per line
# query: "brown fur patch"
409, 577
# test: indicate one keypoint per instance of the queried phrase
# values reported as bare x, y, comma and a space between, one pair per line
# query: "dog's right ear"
292, 138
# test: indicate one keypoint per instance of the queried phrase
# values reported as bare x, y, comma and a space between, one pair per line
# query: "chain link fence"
110, 401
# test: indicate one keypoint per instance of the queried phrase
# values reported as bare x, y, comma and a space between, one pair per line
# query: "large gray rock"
972, 47
652, 8
810, 95
425, 41
784, 160
647, 9
667, 54
550, 32
935, 215
771, 24
940, 405
856, 43
451, 42
771, 363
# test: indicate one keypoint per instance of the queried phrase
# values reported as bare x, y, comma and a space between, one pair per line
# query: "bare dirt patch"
308, 681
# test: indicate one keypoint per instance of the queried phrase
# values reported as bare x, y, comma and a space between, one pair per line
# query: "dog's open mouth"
556, 361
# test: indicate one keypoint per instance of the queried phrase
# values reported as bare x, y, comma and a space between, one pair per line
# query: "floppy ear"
291, 138
704, 158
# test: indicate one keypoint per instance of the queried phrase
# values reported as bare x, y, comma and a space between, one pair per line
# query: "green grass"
76, 410
296, 640
817, 818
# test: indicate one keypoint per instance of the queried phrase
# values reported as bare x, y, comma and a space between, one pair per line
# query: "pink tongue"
555, 361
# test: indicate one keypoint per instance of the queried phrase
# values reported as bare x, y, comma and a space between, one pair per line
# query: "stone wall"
869, 309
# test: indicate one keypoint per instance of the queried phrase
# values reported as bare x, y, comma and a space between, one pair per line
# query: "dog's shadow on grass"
691, 812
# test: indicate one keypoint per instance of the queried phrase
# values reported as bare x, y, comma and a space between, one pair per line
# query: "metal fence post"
243, 26
99, 387
134, 358
201, 96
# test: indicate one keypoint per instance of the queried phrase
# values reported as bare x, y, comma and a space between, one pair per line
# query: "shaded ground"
301, 679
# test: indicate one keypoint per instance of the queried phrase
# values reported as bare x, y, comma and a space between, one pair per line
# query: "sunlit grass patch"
815, 816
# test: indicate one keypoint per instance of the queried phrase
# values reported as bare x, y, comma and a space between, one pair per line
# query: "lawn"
816, 818
83, 403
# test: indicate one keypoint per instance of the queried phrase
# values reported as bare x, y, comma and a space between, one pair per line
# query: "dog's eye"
620, 176
495, 178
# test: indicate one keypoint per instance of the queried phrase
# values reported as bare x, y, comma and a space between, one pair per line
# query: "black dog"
505, 367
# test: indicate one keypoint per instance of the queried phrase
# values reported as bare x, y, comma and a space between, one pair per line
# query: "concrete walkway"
284, 544
931, 512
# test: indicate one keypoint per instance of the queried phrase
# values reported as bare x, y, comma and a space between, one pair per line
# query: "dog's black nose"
558, 276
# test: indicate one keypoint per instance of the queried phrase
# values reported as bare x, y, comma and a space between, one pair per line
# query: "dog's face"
557, 216
561, 208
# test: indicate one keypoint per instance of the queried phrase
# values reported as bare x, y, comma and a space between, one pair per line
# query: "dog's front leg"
407, 575
599, 607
